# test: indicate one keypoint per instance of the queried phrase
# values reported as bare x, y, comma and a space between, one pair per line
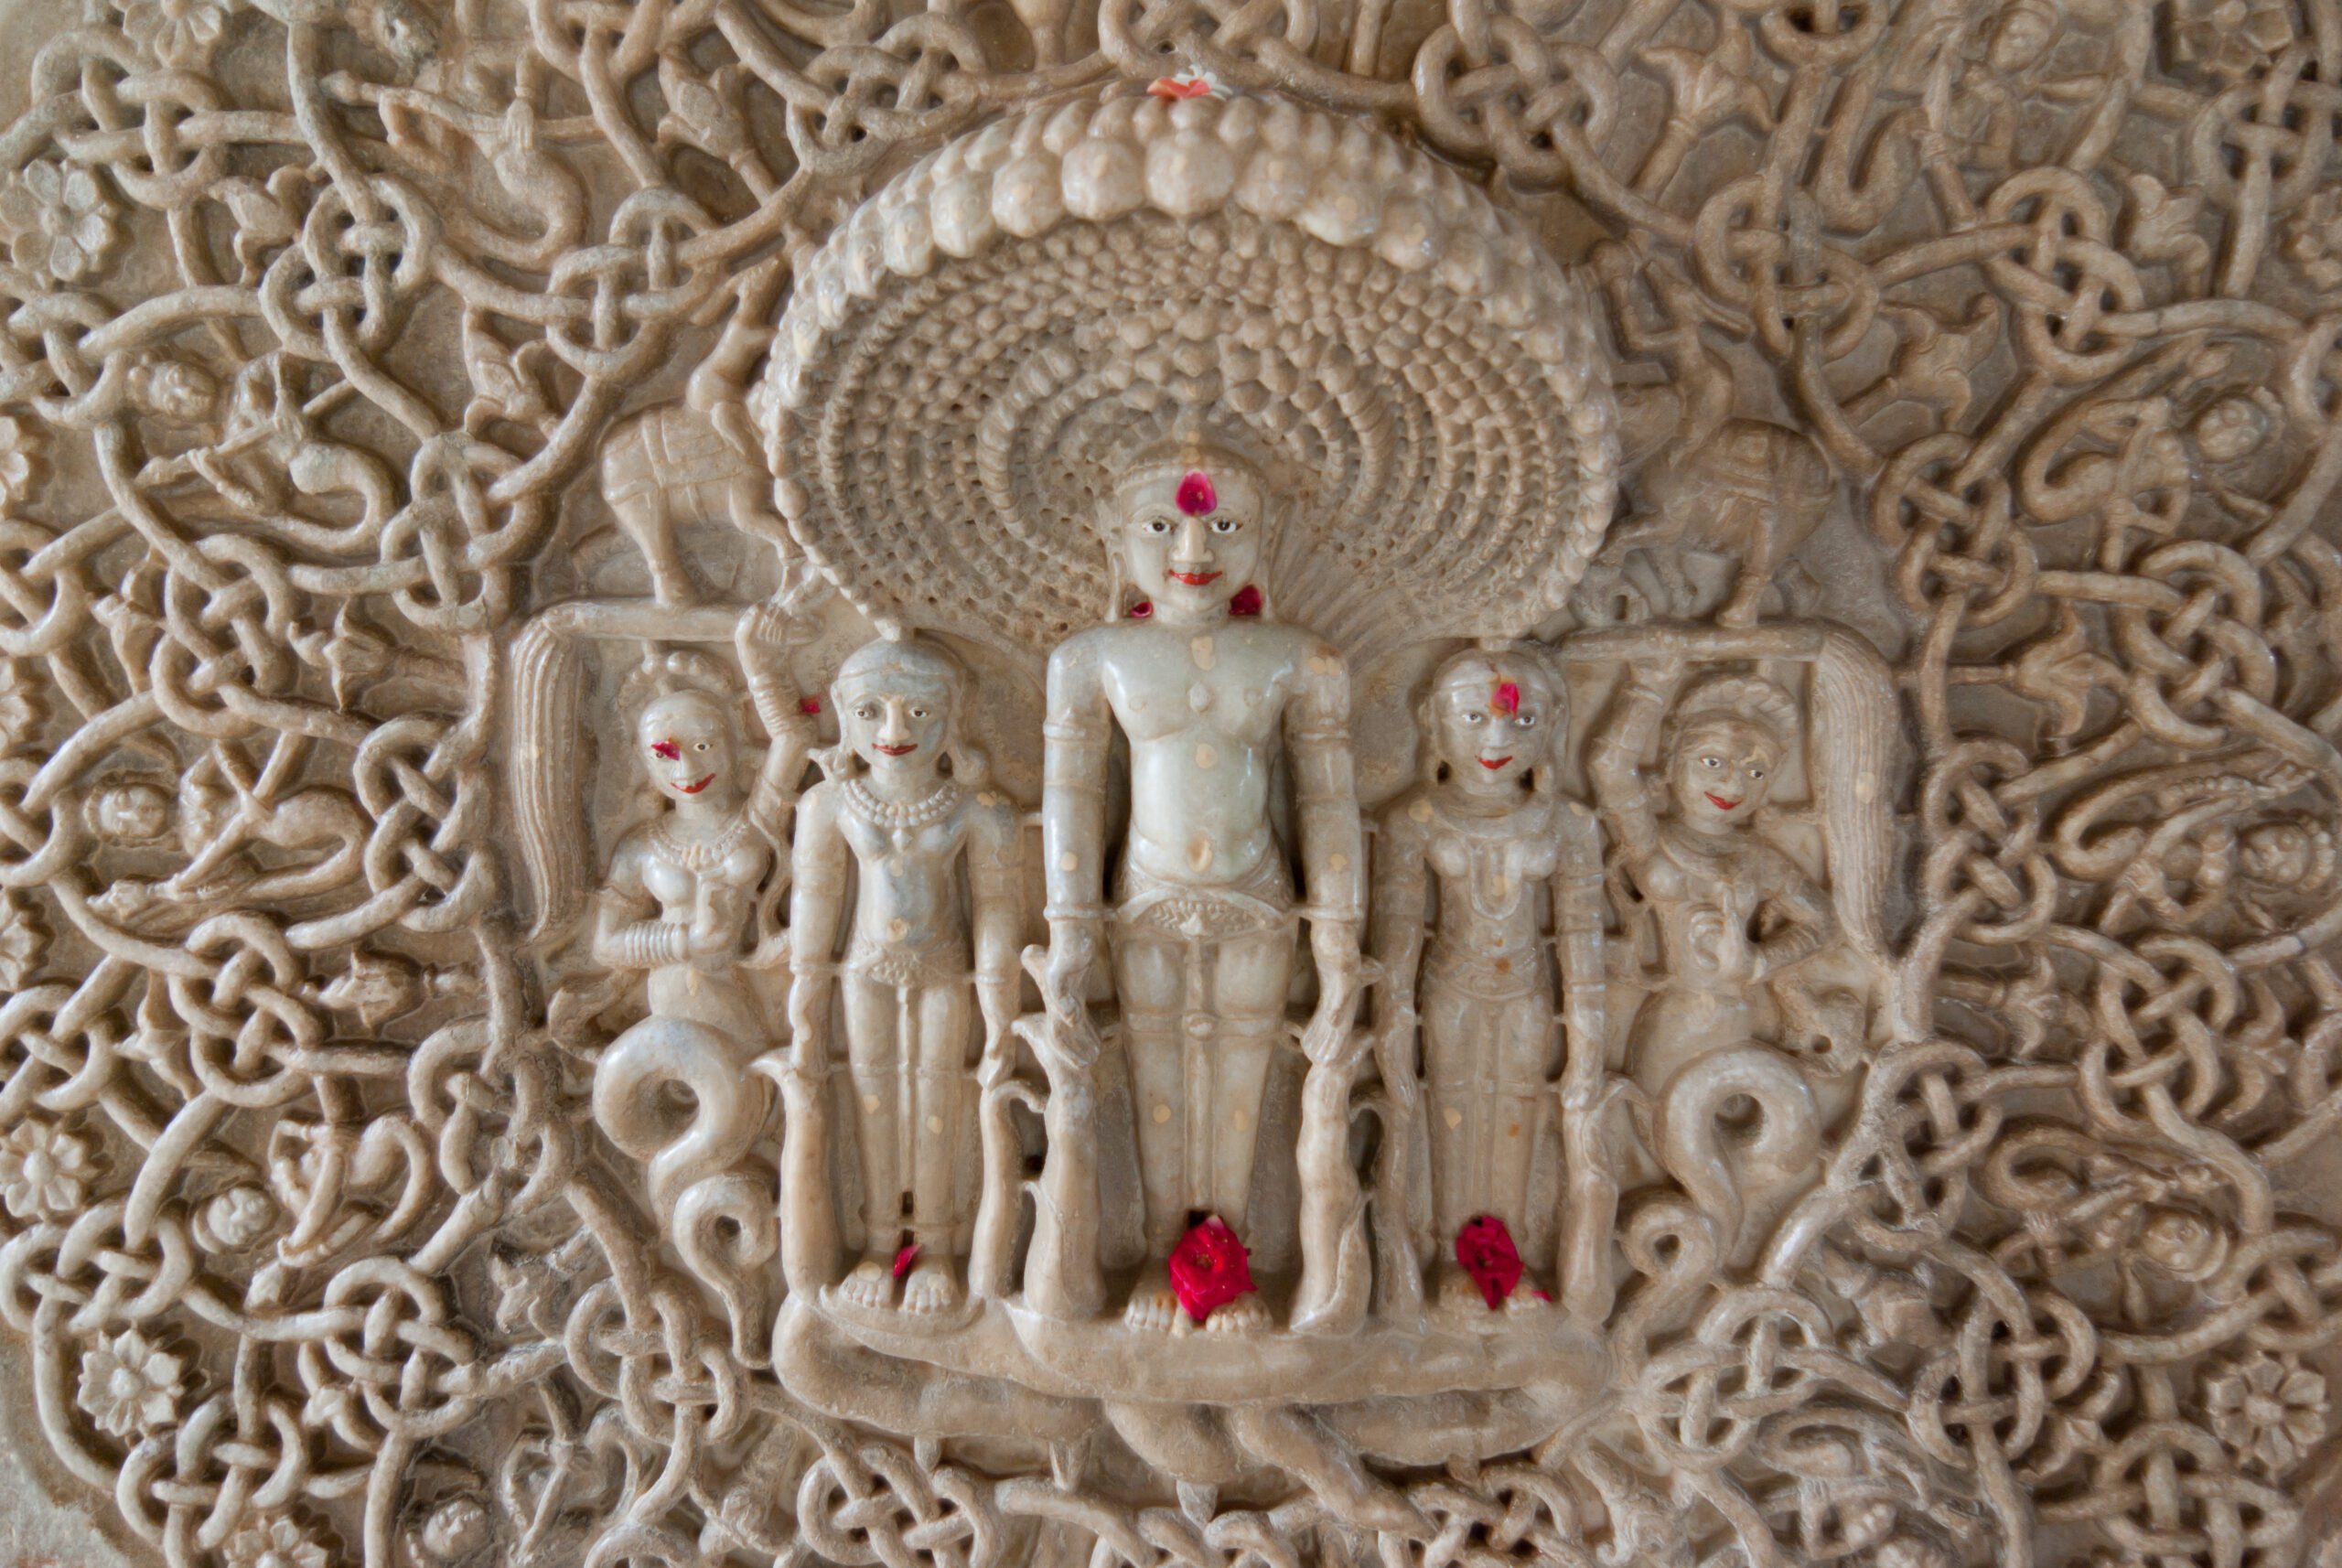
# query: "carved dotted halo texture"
967, 361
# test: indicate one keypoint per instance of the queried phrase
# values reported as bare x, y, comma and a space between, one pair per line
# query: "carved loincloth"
1148, 906
941, 961
1487, 977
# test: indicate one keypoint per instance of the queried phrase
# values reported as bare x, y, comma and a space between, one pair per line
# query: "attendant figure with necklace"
932, 944
1491, 851
689, 895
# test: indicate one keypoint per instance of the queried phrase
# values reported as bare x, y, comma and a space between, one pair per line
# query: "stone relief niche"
1161, 784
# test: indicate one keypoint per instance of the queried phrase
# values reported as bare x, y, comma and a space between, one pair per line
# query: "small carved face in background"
2289, 853
1722, 770
130, 814
1493, 719
2231, 430
686, 743
1190, 538
2024, 31
893, 723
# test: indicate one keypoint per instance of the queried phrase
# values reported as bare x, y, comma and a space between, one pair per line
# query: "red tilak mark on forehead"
668, 749
1196, 496
1507, 699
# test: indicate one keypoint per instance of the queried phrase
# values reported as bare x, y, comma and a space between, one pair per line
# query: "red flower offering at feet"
1485, 1249
1140, 610
905, 1258
1247, 601
1209, 1267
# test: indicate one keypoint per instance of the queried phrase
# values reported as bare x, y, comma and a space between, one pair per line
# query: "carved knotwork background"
317, 1256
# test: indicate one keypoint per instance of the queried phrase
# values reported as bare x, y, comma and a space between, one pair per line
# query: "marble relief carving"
1164, 783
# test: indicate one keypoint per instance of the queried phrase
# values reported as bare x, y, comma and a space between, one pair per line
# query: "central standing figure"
1210, 692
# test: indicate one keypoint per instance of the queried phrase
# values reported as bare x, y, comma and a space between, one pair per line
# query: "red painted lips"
904, 750
1720, 804
1196, 579
693, 788
1492, 764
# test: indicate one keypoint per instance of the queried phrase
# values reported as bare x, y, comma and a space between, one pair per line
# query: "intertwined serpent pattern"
314, 1252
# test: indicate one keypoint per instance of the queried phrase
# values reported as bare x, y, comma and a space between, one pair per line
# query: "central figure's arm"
994, 880
1333, 848
1077, 735
1333, 844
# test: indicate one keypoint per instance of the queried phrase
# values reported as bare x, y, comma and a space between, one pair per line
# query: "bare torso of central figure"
1201, 710
1202, 914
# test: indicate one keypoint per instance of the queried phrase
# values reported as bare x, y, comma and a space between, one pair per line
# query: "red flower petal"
808, 705
666, 749
905, 1259
1196, 495
1140, 610
1247, 601
1508, 697
1172, 89
1485, 1251
1209, 1267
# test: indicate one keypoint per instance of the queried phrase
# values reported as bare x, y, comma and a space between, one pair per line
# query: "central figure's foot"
1154, 1305
932, 1286
872, 1283
1248, 1313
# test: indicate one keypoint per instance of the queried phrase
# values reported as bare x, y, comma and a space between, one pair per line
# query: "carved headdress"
970, 362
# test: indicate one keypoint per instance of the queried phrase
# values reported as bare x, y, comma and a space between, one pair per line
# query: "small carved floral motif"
235, 1218
19, 462
131, 1384
177, 32
22, 940
2268, 1409
59, 220
44, 1172
275, 1542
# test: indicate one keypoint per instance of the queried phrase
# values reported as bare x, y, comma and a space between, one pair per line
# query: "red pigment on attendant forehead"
1506, 698
808, 705
1196, 495
667, 749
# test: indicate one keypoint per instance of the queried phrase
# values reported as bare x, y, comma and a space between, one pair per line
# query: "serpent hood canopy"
968, 361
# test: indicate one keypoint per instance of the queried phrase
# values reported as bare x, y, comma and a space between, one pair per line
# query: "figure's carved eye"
918, 712
1524, 721
701, 746
666, 750
1157, 525
1476, 717
1225, 525
865, 712
1712, 762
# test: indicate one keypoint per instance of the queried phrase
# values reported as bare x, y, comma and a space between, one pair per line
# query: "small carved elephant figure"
1752, 492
